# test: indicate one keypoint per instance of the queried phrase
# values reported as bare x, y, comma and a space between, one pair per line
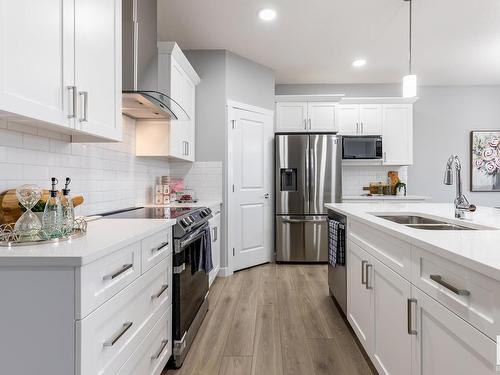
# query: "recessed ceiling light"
358, 63
267, 14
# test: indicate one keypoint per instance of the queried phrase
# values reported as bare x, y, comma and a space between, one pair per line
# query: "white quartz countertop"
475, 249
103, 237
200, 203
385, 198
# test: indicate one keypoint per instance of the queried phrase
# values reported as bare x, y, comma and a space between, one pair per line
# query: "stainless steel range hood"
142, 99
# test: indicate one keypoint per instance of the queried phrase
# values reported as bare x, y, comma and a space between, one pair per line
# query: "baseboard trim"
225, 272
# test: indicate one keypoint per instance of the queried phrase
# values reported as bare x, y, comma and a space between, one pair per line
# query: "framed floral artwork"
485, 160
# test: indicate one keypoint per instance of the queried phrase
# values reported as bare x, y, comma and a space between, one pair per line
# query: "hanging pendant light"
410, 80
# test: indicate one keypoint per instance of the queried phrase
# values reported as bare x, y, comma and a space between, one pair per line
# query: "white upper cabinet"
397, 134
321, 116
360, 119
61, 65
305, 117
174, 138
37, 60
98, 72
291, 117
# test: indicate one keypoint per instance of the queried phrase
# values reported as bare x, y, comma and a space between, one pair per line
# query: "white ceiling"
315, 41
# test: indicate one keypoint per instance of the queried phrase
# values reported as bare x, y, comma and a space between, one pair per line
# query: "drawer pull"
438, 279
162, 290
411, 331
114, 275
158, 353
114, 339
158, 248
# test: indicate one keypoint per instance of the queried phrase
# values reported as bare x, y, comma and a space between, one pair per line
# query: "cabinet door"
348, 119
397, 134
370, 119
359, 297
446, 344
291, 117
98, 67
391, 341
215, 233
37, 59
321, 116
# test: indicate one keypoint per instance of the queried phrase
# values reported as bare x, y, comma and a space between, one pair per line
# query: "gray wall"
248, 82
210, 98
443, 119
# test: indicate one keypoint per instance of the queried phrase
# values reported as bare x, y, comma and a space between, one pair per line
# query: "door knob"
266, 195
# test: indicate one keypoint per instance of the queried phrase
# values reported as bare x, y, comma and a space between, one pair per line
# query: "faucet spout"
462, 204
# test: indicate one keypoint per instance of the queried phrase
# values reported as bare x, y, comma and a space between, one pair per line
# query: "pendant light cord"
409, 37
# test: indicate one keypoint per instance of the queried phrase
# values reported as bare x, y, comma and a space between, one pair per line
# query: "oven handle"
195, 236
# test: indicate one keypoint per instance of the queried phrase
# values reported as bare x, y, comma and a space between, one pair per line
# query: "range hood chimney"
142, 99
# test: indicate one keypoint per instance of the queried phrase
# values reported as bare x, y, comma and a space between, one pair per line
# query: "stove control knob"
184, 223
209, 211
203, 213
190, 219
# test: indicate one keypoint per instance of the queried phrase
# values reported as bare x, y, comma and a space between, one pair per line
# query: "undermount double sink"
421, 222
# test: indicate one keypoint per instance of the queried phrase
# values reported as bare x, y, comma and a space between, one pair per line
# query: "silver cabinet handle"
160, 292
438, 279
367, 285
158, 248
385, 156
216, 233
158, 353
74, 101
305, 123
117, 273
85, 96
310, 124
411, 331
187, 148
112, 341
363, 276
357, 128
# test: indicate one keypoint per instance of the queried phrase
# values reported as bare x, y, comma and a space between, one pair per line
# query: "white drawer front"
154, 351
391, 251
102, 279
156, 248
108, 336
470, 295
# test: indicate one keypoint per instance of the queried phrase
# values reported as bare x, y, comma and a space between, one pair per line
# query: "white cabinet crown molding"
308, 98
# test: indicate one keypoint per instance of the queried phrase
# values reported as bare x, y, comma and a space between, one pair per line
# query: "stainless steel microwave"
362, 147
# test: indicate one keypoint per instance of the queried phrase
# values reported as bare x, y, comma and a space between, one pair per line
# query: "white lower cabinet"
359, 298
404, 330
215, 229
446, 344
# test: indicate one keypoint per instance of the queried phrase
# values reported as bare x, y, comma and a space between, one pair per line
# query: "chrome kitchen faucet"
462, 204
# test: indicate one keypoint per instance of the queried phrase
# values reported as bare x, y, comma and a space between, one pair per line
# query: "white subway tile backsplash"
205, 178
109, 176
355, 177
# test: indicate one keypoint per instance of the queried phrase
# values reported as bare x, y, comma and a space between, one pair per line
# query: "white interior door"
250, 169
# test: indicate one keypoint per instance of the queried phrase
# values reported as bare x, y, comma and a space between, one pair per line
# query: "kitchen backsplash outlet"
205, 178
108, 175
354, 177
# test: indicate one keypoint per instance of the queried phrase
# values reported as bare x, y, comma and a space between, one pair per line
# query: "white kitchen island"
423, 301
100, 304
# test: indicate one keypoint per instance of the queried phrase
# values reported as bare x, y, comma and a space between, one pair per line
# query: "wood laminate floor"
273, 320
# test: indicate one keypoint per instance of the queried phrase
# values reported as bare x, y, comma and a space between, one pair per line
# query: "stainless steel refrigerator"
308, 175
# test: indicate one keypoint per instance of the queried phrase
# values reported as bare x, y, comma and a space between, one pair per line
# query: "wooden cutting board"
10, 210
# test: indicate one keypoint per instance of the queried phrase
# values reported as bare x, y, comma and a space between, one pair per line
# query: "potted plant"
400, 189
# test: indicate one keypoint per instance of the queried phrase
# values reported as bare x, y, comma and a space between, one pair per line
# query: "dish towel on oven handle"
206, 252
336, 248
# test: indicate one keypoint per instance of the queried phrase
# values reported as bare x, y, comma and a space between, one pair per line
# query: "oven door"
362, 147
190, 283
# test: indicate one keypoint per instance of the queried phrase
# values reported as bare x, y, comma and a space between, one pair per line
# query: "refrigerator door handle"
297, 221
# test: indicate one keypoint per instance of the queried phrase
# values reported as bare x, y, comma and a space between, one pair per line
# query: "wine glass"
28, 225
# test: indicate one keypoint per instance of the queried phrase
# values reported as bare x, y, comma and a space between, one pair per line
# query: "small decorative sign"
485, 160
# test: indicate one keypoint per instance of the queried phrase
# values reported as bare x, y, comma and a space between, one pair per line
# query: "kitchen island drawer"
98, 281
107, 337
155, 248
470, 295
154, 351
393, 252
